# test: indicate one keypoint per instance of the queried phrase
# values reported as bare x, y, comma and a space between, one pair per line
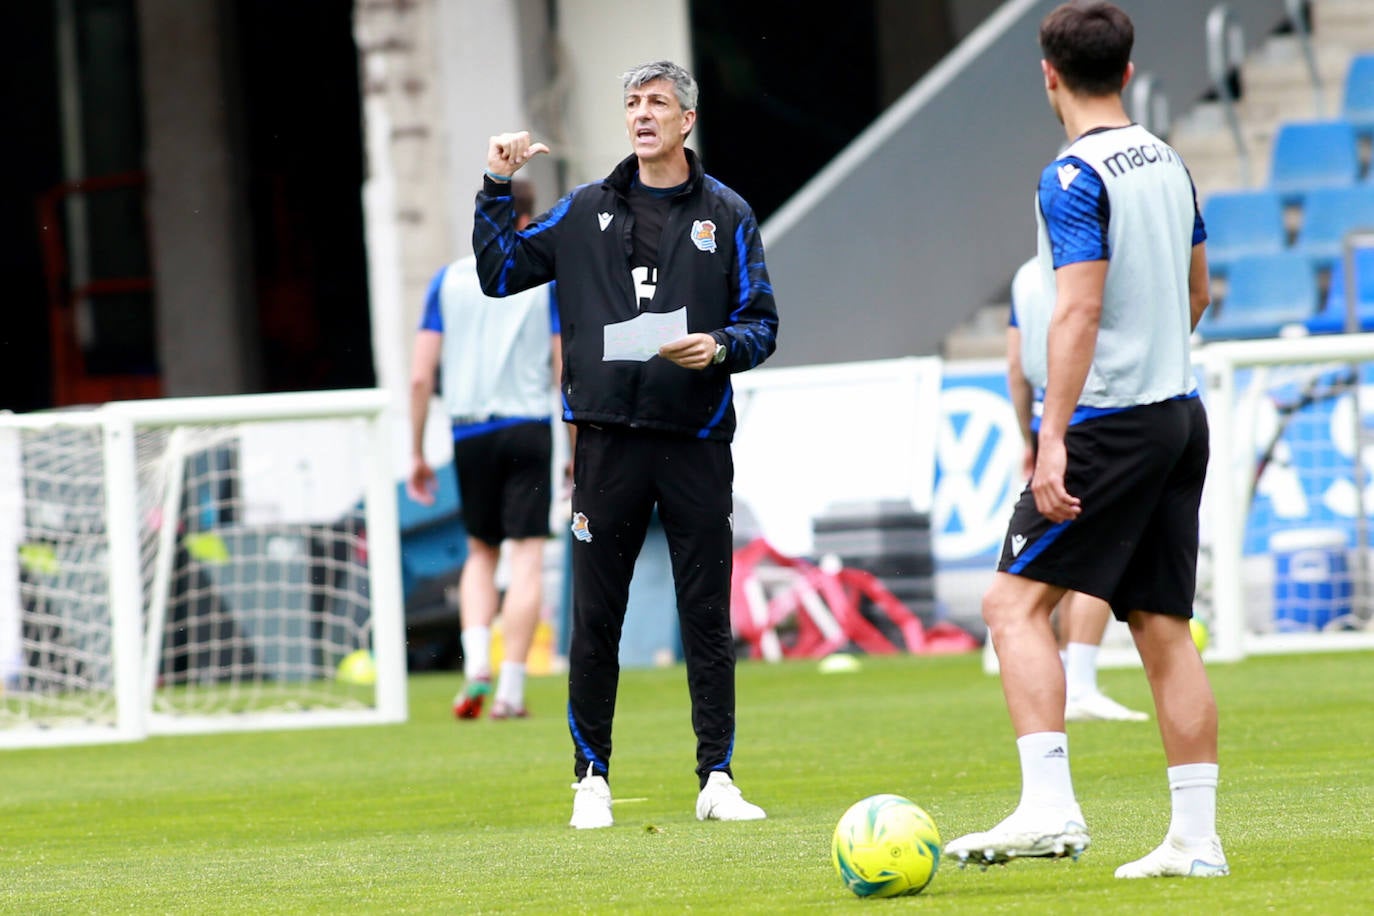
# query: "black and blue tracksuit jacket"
711, 260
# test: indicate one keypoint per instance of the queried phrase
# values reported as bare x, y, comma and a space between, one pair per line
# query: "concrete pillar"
439, 77
202, 264
601, 39
494, 56
405, 203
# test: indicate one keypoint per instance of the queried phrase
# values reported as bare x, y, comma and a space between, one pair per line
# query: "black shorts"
1139, 476
503, 482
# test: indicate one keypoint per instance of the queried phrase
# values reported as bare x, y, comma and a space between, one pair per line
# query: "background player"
500, 361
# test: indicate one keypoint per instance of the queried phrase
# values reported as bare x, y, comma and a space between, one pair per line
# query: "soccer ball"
886, 846
359, 668
1199, 631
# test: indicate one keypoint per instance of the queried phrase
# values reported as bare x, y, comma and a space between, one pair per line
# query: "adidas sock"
1193, 792
1045, 779
511, 688
1080, 669
476, 652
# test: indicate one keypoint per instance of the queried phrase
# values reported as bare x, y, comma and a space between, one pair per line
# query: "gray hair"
684, 84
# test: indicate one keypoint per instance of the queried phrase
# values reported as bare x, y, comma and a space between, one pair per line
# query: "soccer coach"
663, 293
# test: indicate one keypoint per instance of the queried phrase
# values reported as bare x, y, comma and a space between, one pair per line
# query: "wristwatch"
720, 354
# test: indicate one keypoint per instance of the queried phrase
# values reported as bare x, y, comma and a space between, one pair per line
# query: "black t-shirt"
650, 208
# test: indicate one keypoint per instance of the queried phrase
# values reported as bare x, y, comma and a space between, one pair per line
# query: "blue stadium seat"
1357, 105
1264, 294
1327, 215
1331, 319
1240, 224
1313, 154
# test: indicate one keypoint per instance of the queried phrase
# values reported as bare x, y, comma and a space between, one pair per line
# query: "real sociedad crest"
704, 235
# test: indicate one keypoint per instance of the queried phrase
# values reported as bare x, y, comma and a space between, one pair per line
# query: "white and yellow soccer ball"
886, 846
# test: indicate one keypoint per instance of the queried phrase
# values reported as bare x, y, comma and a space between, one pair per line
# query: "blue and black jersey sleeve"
752, 334
509, 261
1076, 209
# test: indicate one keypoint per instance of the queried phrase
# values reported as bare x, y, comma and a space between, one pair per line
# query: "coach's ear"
1130, 72
1051, 75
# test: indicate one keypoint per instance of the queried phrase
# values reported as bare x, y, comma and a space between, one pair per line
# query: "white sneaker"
1175, 858
1048, 834
591, 804
721, 801
1097, 706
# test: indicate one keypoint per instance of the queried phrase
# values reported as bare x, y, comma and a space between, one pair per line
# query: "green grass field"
438, 816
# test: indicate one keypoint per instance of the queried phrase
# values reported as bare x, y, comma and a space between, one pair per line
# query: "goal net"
1286, 517
203, 564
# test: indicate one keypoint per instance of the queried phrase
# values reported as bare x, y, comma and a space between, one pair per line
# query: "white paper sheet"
640, 337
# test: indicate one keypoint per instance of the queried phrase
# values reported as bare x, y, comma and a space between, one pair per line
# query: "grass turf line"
439, 816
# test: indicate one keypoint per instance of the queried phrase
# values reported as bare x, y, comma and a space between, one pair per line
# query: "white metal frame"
135, 652
1226, 497
130, 724
1225, 504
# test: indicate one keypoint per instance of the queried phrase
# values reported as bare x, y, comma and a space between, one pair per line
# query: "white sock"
1045, 779
1064, 658
477, 652
1193, 792
1080, 669
511, 688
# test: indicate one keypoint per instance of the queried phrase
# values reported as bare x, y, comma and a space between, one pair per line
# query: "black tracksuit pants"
619, 474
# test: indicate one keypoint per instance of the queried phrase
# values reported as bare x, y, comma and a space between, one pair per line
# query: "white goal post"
1288, 500
200, 564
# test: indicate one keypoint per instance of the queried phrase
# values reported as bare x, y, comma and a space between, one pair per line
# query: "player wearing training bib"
1137, 429
499, 360
1112, 507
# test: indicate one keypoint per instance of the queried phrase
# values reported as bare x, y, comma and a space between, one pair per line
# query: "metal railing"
1225, 52
1149, 104
1297, 11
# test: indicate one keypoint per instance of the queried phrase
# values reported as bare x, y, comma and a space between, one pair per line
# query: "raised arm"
508, 260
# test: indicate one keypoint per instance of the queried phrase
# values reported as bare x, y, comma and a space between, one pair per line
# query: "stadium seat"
1264, 294
1240, 224
1327, 215
1313, 154
1357, 105
1331, 319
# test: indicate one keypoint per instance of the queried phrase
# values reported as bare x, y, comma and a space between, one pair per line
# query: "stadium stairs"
1277, 86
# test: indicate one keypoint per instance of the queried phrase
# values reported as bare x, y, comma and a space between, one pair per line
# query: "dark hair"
522, 194
1089, 45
